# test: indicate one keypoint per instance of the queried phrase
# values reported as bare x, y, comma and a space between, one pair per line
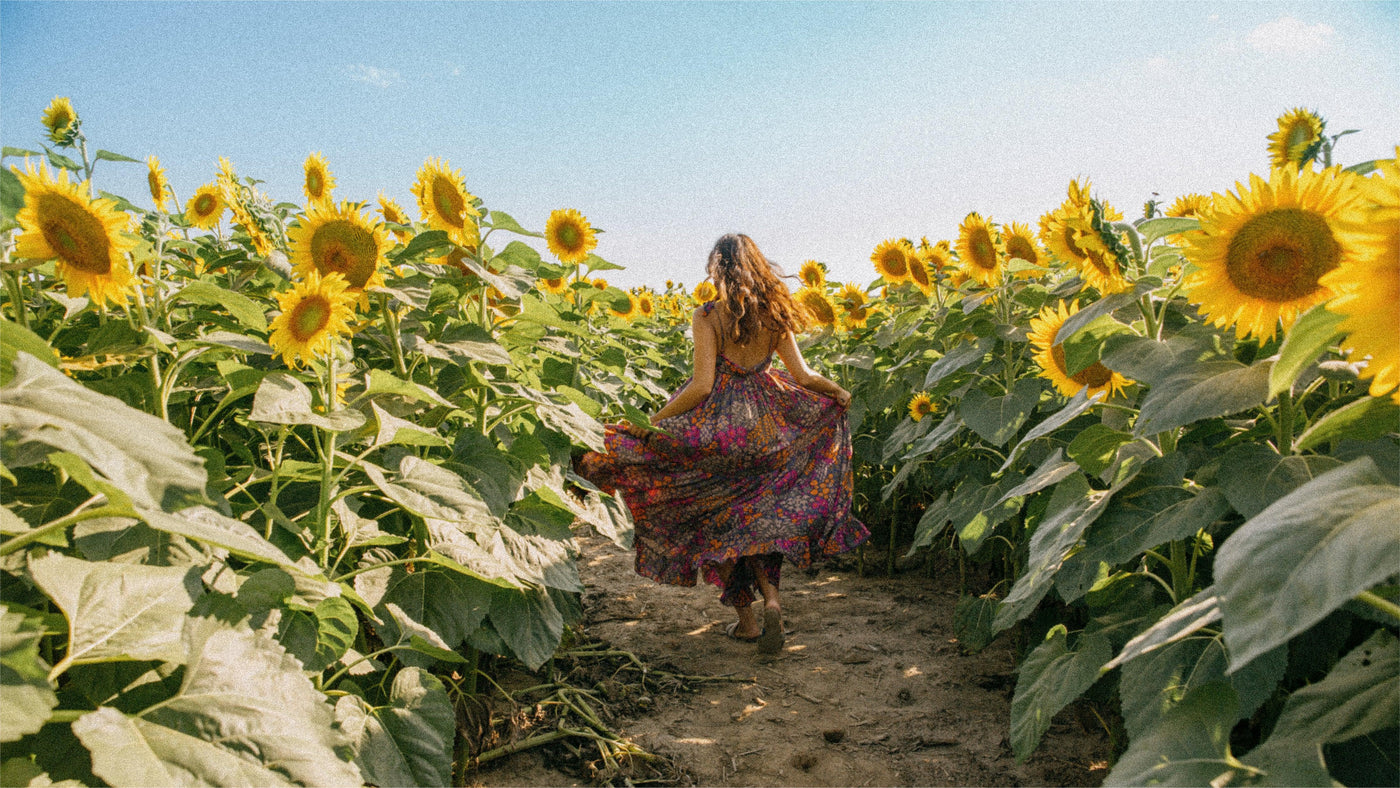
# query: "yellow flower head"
600, 283
1020, 245
891, 259
60, 221
556, 286
60, 119
646, 305
569, 236
1262, 252
319, 182
978, 250
919, 273
340, 240
812, 274
705, 292
817, 305
315, 313
920, 406
628, 312
206, 207
156, 181
937, 257
393, 214
1368, 280
1297, 140
445, 203
1051, 357
1189, 206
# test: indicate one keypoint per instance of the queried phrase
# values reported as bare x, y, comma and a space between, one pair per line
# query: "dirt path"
870, 689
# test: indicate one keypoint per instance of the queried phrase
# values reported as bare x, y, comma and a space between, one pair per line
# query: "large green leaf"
958, 358
244, 309
1158, 681
1309, 336
568, 419
1052, 470
1361, 695
1049, 679
1190, 615
1152, 229
282, 399
429, 490
997, 419
440, 606
1077, 406
29, 698
1135, 521
1323, 544
1253, 475
146, 458
15, 338
245, 714
407, 742
1095, 447
119, 611
208, 526
1073, 507
972, 622
1083, 348
529, 623
1189, 745
1365, 419
500, 220
1201, 391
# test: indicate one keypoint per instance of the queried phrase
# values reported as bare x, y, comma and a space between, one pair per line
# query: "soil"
871, 688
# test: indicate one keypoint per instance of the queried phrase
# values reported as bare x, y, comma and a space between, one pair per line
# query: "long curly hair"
752, 295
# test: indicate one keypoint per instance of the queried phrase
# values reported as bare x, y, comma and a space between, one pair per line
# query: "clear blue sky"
818, 128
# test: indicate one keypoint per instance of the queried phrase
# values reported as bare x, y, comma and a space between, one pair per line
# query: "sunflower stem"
1285, 422
323, 508
1380, 603
16, 292
1149, 315
391, 325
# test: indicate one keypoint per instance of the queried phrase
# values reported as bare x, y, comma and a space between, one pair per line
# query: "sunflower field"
282, 481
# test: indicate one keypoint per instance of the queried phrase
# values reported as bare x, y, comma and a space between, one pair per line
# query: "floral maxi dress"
761, 466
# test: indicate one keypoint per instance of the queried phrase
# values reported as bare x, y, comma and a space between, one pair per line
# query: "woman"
754, 464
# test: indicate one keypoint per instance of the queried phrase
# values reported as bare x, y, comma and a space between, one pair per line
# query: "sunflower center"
205, 204
1094, 376
310, 316
1016, 246
983, 252
568, 236
315, 183
448, 201
894, 263
1279, 255
74, 234
345, 248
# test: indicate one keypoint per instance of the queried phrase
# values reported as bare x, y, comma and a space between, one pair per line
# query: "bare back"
749, 355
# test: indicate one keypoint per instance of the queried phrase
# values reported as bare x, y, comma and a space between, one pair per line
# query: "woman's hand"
843, 397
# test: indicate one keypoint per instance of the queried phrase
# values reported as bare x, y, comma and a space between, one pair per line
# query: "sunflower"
1189, 206
228, 178
1100, 268
646, 305
1051, 357
854, 305
979, 251
891, 259
315, 313
628, 312
1298, 138
919, 273
1262, 252
817, 305
705, 292
319, 182
393, 214
920, 406
206, 207
340, 240
937, 257
60, 221
156, 180
600, 283
446, 204
812, 274
556, 286
61, 120
569, 235
455, 259
1020, 244
1369, 281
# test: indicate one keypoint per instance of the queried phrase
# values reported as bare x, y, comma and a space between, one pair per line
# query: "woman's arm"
702, 379
805, 376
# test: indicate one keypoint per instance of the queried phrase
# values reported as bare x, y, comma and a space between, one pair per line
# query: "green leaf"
972, 622
1253, 475
336, 628
1363, 167
1189, 616
59, 160
1157, 682
41, 409
1095, 446
569, 420
243, 309
1050, 678
282, 399
15, 339
997, 419
1312, 334
245, 714
1106, 306
1365, 419
528, 622
1073, 507
1152, 229
11, 198
236, 341
441, 607
500, 220
410, 740
383, 382
431, 491
1189, 746
1202, 391
1053, 470
1083, 348
1077, 406
106, 155
1323, 544
9, 151
936, 437
958, 358
29, 698
119, 611
423, 244
393, 429
1361, 695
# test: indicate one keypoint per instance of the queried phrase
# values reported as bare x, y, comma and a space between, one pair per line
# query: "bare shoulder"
703, 315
